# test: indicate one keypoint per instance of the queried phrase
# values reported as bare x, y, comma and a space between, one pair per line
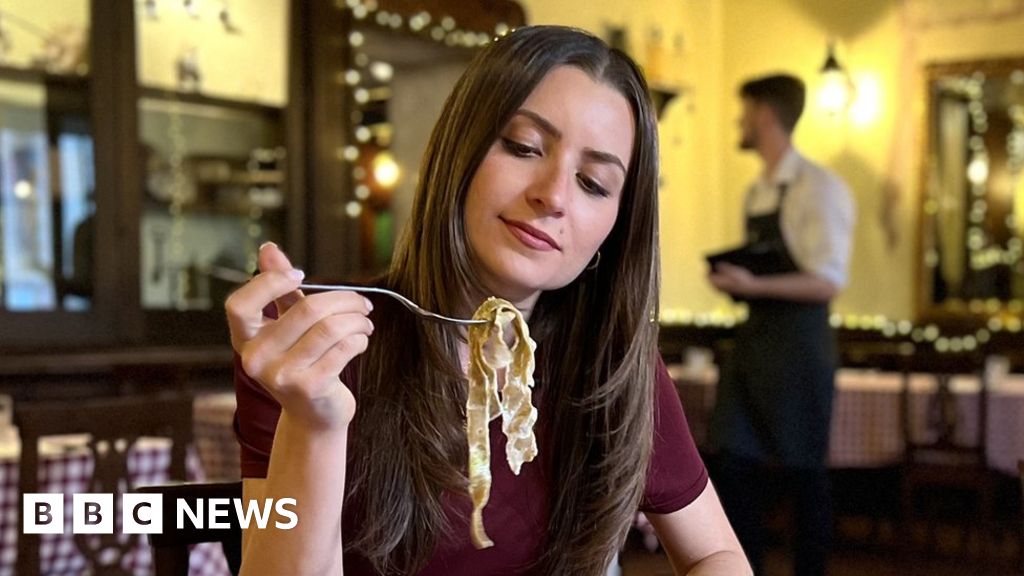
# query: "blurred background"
148, 147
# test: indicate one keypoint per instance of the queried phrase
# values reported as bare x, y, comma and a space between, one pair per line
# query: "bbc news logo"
144, 513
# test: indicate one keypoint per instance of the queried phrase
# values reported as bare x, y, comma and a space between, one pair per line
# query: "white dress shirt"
817, 216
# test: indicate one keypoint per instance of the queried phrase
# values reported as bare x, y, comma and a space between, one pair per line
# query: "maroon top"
516, 516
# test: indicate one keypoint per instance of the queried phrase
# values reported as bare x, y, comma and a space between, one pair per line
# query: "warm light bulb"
834, 96
382, 71
977, 170
836, 88
865, 100
385, 170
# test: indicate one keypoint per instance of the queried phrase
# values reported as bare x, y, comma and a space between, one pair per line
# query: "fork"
412, 306
239, 277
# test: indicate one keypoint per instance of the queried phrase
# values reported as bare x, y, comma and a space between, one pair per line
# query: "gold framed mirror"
972, 202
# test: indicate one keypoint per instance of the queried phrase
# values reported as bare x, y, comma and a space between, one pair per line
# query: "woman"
538, 186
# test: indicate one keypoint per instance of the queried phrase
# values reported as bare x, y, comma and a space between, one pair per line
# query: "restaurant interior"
149, 147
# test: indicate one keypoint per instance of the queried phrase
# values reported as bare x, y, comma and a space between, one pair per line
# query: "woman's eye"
518, 148
591, 186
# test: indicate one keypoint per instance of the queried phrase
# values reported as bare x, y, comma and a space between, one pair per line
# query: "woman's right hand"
299, 356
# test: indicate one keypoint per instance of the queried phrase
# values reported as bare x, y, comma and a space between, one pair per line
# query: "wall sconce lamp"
836, 93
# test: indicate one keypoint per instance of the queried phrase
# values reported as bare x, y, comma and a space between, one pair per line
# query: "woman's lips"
530, 236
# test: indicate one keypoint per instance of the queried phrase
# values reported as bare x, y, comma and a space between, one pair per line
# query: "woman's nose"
551, 190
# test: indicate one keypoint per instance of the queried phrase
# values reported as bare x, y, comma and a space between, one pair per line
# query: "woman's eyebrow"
604, 158
541, 122
546, 126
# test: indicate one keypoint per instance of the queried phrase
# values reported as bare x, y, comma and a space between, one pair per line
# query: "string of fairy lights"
982, 252
365, 76
180, 192
927, 334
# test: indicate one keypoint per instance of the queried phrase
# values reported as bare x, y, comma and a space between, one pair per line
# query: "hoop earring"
593, 263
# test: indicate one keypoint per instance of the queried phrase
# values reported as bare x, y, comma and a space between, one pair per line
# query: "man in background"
774, 404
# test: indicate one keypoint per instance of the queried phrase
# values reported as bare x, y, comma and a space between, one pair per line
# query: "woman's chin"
513, 289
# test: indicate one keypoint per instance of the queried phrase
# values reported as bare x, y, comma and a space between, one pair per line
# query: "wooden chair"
939, 467
171, 547
113, 426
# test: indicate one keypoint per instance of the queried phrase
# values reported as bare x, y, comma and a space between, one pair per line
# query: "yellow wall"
692, 143
27, 23
875, 148
251, 65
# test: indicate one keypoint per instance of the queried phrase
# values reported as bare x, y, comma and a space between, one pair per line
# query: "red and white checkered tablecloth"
1005, 437
866, 425
866, 429
213, 417
66, 469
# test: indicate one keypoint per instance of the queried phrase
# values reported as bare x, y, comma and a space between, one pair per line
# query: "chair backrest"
113, 426
171, 546
943, 418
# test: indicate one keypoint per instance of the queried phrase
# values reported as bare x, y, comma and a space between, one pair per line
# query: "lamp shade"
836, 92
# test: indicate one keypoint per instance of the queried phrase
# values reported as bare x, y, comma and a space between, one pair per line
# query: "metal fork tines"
412, 306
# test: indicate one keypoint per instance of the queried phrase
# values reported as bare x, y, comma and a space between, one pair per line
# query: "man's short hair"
782, 92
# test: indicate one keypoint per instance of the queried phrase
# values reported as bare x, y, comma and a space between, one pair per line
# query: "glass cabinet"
143, 160
212, 89
47, 187
212, 192
46, 157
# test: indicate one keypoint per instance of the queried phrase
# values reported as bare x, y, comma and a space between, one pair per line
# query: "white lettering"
252, 509
219, 509
195, 516
42, 514
142, 513
280, 507
93, 514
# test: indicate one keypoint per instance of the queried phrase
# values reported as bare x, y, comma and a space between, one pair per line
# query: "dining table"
66, 466
867, 424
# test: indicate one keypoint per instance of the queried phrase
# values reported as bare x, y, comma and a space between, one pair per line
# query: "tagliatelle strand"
517, 410
488, 354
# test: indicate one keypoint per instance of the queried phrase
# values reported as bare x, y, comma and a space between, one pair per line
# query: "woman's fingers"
304, 334
245, 306
320, 356
304, 378
334, 332
271, 257
340, 355
298, 356
303, 316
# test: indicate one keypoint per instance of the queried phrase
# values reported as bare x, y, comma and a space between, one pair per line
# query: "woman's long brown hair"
408, 439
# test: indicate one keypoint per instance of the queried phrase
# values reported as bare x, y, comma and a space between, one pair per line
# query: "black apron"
774, 399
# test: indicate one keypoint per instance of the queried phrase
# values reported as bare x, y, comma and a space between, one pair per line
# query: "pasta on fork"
489, 354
